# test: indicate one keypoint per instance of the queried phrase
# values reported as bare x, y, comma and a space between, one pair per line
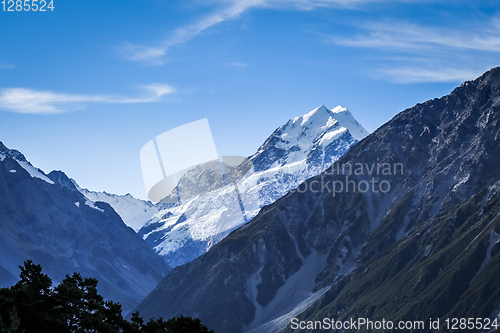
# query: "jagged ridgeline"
424, 245
45, 218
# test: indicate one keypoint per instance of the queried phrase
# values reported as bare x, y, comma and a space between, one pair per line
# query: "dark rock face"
52, 223
425, 245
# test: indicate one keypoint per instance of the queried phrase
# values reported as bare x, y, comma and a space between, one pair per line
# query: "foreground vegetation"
32, 306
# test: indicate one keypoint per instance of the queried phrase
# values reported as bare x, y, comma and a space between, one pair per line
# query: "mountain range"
50, 219
211, 209
407, 227
45, 218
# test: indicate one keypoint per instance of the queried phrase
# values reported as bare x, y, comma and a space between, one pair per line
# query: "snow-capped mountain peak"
322, 118
300, 136
318, 115
294, 152
346, 119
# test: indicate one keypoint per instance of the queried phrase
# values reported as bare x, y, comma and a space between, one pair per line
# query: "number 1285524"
27, 5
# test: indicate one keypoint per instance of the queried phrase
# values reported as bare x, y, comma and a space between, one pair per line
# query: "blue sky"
84, 87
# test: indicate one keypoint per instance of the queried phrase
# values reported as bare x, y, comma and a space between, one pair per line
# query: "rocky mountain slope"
46, 219
408, 229
211, 206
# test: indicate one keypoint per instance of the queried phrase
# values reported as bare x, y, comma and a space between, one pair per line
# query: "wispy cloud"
156, 54
313, 4
22, 100
232, 9
6, 66
237, 64
419, 74
430, 54
153, 55
435, 47
412, 37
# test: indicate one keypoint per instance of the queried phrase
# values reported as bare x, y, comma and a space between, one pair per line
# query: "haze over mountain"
46, 219
209, 209
426, 246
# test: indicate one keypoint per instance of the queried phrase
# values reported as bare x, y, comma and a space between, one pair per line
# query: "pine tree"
30, 300
74, 306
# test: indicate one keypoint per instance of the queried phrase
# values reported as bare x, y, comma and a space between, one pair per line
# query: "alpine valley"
424, 245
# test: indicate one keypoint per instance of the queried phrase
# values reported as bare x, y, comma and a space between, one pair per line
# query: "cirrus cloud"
428, 53
232, 9
24, 100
